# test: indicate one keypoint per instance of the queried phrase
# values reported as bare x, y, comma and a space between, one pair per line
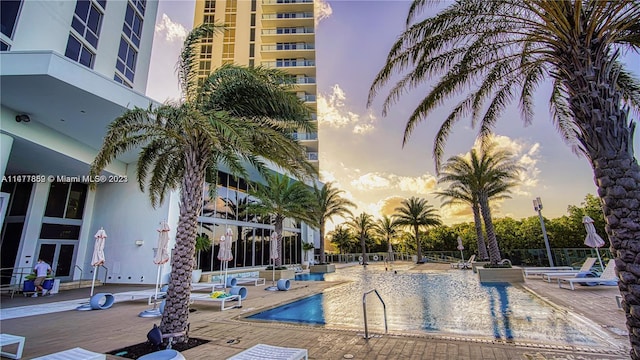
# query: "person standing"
42, 269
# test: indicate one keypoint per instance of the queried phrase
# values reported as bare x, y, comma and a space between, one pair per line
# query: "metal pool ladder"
364, 307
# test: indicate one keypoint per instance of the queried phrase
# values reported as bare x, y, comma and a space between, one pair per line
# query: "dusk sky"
361, 151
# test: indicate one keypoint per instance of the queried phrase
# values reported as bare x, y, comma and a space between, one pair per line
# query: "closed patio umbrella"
273, 255
592, 239
224, 253
98, 254
160, 258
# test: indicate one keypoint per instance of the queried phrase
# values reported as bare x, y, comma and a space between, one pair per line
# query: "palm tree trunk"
492, 242
419, 245
322, 258
482, 247
176, 312
278, 228
606, 134
363, 245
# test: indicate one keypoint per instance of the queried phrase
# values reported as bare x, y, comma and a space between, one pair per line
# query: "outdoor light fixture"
537, 206
23, 118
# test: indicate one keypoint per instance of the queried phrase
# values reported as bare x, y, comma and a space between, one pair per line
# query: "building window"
126, 62
3, 46
140, 5
66, 200
132, 25
9, 11
210, 6
253, 5
253, 19
87, 21
252, 50
206, 51
208, 19
228, 51
77, 51
122, 81
252, 34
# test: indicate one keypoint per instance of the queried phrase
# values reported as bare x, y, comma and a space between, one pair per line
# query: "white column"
6, 142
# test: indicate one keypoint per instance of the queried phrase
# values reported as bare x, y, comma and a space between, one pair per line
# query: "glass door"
60, 255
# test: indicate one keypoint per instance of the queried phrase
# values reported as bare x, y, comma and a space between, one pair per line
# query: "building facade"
274, 34
68, 68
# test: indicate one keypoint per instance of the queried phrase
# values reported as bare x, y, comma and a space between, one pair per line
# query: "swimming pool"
310, 277
444, 302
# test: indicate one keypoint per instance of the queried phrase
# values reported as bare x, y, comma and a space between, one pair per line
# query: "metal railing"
106, 273
81, 272
364, 308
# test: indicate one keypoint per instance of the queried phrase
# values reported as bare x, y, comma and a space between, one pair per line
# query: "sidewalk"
106, 330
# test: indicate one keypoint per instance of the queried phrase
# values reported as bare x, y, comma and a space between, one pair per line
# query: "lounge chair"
586, 266
263, 351
608, 276
464, 264
256, 281
538, 270
222, 300
7, 340
73, 354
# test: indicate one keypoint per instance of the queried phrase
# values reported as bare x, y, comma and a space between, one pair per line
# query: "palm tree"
504, 50
330, 203
361, 225
476, 179
341, 237
282, 198
416, 213
224, 119
387, 228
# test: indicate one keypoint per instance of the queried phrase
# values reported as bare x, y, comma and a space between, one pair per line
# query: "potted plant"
306, 247
29, 285
203, 243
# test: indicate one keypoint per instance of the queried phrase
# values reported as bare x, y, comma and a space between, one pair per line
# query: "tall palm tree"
416, 213
387, 228
361, 225
330, 203
341, 237
225, 119
282, 198
504, 50
477, 178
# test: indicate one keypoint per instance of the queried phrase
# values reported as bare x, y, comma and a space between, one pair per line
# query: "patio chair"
264, 351
586, 266
607, 276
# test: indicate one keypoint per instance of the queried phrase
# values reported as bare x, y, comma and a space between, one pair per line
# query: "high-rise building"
67, 70
270, 33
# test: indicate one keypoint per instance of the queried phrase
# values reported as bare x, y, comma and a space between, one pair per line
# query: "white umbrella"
224, 253
592, 239
98, 254
273, 255
160, 258
460, 247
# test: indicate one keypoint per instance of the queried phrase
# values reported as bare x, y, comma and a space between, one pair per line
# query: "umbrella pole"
93, 282
599, 259
462, 255
155, 302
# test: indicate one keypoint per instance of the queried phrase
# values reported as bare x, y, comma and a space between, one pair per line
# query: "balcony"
308, 98
288, 34
312, 156
293, 66
285, 50
288, 5
305, 136
288, 19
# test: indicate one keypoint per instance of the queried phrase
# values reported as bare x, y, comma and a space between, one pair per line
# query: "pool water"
310, 277
449, 302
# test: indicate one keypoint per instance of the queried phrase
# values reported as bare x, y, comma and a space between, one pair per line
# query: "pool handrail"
364, 307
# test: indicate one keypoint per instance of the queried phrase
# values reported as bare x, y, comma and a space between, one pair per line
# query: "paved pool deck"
56, 328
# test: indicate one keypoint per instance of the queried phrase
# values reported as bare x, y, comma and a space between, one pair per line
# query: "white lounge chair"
539, 270
586, 266
222, 300
608, 275
7, 340
263, 351
73, 354
464, 264
256, 281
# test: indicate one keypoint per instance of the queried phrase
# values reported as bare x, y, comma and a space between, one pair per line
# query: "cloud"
171, 31
334, 112
322, 9
422, 185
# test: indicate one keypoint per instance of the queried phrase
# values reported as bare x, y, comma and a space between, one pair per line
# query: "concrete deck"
229, 333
